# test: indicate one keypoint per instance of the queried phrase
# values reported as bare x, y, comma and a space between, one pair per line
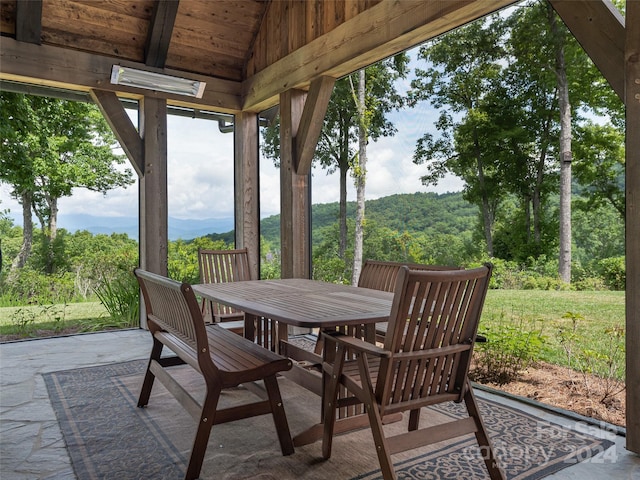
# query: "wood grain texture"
600, 29
153, 207
122, 127
632, 188
387, 28
29, 21
74, 70
315, 108
160, 32
247, 188
302, 302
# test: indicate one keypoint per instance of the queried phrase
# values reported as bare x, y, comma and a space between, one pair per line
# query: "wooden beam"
600, 29
247, 188
122, 127
295, 208
385, 29
160, 31
315, 108
80, 71
632, 235
29, 21
153, 204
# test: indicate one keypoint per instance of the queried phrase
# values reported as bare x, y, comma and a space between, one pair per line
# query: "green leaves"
510, 349
52, 146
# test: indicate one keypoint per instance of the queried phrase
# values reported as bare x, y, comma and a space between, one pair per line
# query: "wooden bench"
223, 358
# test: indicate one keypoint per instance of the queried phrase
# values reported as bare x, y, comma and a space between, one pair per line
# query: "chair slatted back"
222, 266
432, 327
172, 307
379, 275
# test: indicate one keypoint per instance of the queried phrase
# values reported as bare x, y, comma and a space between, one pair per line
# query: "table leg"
282, 334
349, 418
250, 326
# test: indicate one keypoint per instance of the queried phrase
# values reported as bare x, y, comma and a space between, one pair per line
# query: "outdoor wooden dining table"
272, 306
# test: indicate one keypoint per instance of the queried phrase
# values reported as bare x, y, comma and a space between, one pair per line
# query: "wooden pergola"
256, 54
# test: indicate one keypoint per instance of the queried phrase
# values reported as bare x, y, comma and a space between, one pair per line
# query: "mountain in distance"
418, 212
179, 228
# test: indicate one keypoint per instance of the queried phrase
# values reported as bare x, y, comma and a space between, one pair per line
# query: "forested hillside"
424, 213
445, 229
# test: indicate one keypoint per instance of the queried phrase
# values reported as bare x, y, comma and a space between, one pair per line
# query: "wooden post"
247, 190
153, 186
632, 103
295, 205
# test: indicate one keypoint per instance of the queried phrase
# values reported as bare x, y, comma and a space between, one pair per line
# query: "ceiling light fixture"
131, 77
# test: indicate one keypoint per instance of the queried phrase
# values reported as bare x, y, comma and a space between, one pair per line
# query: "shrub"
613, 272
530, 282
590, 283
270, 266
509, 349
603, 364
504, 275
32, 287
332, 270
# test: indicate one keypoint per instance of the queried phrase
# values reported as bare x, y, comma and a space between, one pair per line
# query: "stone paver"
31, 443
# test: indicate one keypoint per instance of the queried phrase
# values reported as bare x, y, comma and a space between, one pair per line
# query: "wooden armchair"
425, 361
223, 358
379, 275
221, 266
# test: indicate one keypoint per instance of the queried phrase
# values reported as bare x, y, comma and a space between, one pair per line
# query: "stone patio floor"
32, 446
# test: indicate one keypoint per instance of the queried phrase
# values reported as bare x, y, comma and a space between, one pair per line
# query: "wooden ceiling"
248, 51
211, 38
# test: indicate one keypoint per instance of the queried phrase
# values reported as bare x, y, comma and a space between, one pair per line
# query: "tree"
49, 147
337, 145
600, 154
559, 40
461, 67
360, 175
511, 92
545, 52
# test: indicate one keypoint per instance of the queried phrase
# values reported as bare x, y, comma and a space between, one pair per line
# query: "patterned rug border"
167, 462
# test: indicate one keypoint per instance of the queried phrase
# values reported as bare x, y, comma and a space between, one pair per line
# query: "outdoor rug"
108, 437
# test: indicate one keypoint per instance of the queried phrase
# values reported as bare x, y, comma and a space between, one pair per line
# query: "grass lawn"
590, 338
28, 321
580, 328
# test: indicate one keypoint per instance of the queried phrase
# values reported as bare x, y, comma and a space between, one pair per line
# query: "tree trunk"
342, 242
487, 212
27, 237
564, 264
540, 178
526, 206
360, 176
52, 232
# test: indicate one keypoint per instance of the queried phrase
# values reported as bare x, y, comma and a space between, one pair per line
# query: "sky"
200, 173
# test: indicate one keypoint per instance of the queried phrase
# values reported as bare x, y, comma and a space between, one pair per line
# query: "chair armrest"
356, 344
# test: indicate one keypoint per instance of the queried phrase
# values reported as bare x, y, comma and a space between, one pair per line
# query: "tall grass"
120, 297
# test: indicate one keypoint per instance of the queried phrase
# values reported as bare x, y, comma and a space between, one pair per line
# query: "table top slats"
302, 302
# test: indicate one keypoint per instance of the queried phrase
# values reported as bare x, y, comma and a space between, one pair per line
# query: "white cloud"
200, 173
200, 169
